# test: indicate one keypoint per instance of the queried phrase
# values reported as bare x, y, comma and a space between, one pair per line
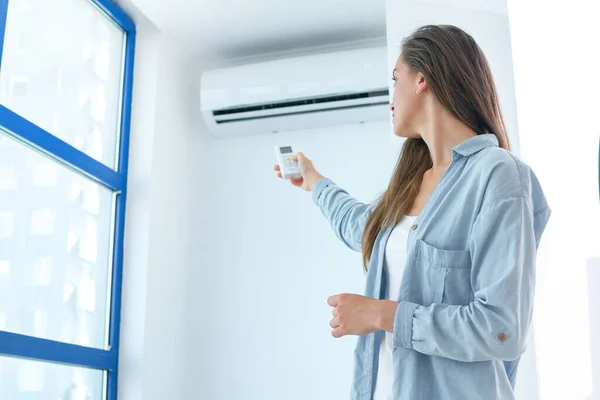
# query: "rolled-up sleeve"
494, 326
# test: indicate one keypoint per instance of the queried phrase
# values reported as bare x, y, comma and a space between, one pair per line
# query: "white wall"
557, 65
151, 364
265, 261
202, 248
488, 23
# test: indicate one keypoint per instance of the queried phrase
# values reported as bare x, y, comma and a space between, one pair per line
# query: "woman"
450, 246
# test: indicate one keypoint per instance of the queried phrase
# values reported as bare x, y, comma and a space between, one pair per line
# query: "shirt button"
414, 227
502, 337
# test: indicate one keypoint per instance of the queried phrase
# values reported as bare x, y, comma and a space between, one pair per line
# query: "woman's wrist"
312, 180
386, 315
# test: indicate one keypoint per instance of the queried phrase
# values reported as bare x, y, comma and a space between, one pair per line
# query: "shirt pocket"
445, 274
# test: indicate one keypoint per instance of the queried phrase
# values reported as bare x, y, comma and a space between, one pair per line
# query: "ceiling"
228, 29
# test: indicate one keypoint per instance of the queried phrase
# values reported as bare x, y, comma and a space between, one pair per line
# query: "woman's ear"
422, 85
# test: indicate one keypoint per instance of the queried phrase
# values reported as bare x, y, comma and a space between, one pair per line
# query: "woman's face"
406, 104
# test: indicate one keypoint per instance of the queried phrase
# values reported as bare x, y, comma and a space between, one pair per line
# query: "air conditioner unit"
338, 88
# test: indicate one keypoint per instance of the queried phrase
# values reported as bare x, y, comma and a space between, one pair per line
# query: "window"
66, 70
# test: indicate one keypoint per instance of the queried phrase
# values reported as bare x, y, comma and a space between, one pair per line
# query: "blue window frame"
29, 347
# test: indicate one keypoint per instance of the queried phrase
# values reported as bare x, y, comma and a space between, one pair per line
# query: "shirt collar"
475, 144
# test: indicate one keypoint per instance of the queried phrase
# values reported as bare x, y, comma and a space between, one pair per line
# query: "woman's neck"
442, 132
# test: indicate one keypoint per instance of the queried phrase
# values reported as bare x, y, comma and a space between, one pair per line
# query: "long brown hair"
458, 74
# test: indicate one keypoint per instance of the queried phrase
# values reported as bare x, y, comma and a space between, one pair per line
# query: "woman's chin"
398, 131
401, 133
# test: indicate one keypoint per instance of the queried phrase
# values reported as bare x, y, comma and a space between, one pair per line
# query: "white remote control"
285, 159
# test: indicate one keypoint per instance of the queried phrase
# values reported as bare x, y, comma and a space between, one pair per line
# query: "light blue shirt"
466, 297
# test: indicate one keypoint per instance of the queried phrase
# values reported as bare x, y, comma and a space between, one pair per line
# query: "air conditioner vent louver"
301, 102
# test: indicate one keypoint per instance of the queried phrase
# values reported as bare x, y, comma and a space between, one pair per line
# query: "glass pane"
61, 69
55, 241
33, 380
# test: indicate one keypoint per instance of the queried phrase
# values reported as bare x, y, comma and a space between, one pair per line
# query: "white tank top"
395, 259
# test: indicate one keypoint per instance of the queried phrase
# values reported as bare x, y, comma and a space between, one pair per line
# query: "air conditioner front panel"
316, 75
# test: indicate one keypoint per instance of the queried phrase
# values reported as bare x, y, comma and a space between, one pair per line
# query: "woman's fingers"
337, 332
277, 168
334, 323
296, 182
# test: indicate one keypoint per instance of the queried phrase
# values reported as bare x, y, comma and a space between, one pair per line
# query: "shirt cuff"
403, 324
319, 187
